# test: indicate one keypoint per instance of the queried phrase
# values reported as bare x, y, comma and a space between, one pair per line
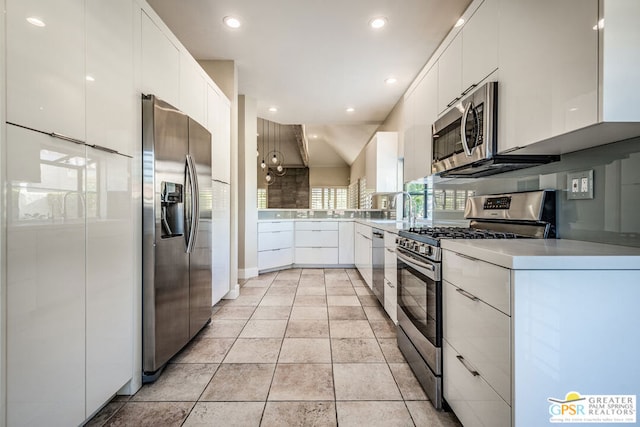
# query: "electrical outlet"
580, 185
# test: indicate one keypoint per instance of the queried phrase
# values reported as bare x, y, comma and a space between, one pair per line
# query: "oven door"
420, 295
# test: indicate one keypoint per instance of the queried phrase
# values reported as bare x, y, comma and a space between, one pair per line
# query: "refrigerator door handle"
195, 205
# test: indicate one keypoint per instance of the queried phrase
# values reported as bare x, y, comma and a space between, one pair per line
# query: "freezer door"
200, 261
165, 261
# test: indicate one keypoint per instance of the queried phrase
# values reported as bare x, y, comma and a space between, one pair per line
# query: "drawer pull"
470, 258
390, 250
467, 294
467, 90
464, 363
453, 102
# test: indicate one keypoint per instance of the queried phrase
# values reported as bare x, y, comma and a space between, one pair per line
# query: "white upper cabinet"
112, 101
160, 63
450, 74
219, 124
192, 89
620, 61
548, 83
480, 45
420, 111
45, 65
382, 162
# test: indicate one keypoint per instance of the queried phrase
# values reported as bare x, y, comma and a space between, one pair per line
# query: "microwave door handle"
463, 128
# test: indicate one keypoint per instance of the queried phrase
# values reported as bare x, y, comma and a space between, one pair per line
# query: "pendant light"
263, 165
269, 178
280, 170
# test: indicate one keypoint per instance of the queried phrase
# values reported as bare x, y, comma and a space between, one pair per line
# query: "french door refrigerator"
176, 237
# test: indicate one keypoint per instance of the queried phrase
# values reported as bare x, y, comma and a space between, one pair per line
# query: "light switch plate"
580, 185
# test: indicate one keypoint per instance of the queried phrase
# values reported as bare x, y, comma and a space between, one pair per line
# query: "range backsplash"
612, 216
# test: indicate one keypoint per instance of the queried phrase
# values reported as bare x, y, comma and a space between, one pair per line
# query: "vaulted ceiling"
313, 59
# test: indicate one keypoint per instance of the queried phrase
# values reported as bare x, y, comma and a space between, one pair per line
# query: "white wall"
3, 269
247, 182
329, 176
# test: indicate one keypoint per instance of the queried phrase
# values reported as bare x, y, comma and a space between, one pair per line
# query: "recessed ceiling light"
390, 80
377, 23
231, 22
36, 21
459, 23
273, 109
350, 109
90, 78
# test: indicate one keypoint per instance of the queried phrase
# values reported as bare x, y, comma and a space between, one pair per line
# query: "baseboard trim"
233, 293
247, 273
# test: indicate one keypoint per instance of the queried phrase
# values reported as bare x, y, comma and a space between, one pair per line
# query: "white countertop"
548, 254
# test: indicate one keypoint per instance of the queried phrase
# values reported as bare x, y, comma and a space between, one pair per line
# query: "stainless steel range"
501, 216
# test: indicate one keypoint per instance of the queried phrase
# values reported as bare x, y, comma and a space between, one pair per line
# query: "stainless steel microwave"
467, 133
465, 139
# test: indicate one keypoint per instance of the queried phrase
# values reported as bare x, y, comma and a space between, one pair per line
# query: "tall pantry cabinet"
71, 155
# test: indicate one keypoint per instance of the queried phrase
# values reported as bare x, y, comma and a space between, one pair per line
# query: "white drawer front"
481, 334
316, 238
487, 281
391, 300
275, 258
317, 256
317, 225
365, 230
474, 402
275, 226
275, 240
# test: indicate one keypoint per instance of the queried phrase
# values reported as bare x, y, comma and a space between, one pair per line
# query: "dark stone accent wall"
290, 191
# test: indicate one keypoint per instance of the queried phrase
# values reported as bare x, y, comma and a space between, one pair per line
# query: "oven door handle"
427, 269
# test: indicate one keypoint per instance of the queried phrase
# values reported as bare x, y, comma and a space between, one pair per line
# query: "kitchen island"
531, 324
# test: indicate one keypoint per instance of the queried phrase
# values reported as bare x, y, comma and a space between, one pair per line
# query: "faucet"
412, 212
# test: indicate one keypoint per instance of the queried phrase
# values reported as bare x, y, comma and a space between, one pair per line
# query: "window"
329, 197
451, 200
262, 198
420, 197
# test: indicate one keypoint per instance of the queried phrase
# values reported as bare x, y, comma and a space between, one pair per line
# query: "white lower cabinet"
275, 244
346, 243
362, 254
390, 276
477, 340
316, 242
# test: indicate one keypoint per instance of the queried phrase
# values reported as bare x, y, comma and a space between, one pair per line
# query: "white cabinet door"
480, 45
548, 69
450, 74
112, 101
382, 162
45, 66
219, 124
426, 113
193, 94
317, 238
110, 251
346, 243
160, 63
45, 280
363, 253
276, 258
275, 240
316, 256
221, 224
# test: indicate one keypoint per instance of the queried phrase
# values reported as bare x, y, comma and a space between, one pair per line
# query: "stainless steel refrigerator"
176, 224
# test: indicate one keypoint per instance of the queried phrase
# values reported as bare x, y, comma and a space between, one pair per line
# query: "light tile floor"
300, 347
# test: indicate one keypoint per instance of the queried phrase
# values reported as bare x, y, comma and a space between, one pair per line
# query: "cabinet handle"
390, 250
66, 138
470, 258
469, 89
101, 148
467, 294
464, 363
453, 102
